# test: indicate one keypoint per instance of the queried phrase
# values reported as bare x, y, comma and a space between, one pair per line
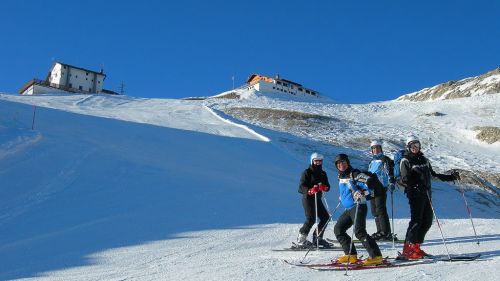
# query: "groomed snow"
165, 190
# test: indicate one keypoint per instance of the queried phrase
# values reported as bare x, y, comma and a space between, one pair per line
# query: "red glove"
313, 190
323, 187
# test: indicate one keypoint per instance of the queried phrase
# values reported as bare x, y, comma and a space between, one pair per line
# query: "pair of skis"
387, 263
298, 248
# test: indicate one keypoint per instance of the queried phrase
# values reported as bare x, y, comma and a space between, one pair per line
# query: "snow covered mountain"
122, 188
488, 83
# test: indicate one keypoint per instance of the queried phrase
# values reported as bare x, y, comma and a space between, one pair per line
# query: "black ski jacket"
416, 174
310, 177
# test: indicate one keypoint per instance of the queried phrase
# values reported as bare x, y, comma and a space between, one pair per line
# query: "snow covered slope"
447, 128
166, 190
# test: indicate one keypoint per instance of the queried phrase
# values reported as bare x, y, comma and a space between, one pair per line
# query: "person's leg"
310, 215
360, 232
344, 222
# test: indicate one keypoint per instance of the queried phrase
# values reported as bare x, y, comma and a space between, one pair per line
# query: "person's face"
377, 149
317, 162
415, 147
342, 165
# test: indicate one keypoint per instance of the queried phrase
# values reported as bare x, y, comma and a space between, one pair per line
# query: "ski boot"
378, 260
410, 252
347, 259
322, 243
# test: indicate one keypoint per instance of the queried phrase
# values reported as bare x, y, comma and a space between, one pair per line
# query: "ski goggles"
415, 144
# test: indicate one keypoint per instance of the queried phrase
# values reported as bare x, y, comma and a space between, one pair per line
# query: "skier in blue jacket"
353, 195
383, 167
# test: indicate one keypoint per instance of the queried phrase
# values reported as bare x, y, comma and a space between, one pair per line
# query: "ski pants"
421, 218
379, 212
308, 203
345, 221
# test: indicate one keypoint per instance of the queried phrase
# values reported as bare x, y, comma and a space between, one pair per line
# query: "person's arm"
305, 180
441, 177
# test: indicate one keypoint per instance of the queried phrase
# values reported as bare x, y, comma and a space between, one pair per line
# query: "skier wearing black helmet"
416, 173
353, 195
313, 183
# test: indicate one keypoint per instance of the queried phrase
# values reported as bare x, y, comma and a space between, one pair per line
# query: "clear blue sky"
352, 51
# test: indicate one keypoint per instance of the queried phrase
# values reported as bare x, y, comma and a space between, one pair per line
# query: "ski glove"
360, 194
323, 187
392, 180
313, 190
455, 175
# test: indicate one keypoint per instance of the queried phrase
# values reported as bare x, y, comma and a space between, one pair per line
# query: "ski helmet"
375, 143
316, 156
411, 139
342, 157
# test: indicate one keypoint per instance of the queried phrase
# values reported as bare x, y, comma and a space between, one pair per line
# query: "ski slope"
122, 188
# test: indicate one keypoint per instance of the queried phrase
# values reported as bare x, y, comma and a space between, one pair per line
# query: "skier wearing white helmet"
313, 183
416, 174
383, 167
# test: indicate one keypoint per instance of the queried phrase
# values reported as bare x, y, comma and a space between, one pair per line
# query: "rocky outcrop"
488, 83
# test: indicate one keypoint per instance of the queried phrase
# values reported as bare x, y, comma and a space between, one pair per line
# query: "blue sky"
352, 51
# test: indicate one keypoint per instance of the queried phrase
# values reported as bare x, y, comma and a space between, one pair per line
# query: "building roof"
277, 78
77, 67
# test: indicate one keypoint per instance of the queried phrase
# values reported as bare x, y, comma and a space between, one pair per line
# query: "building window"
64, 66
80, 88
70, 85
87, 79
87, 73
90, 90
307, 91
76, 76
99, 82
285, 84
279, 83
300, 89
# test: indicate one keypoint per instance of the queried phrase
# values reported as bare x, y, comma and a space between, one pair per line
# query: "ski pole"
330, 219
323, 229
439, 225
33, 121
352, 235
392, 219
317, 223
468, 210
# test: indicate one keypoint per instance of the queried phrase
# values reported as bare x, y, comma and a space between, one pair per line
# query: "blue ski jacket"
382, 166
347, 186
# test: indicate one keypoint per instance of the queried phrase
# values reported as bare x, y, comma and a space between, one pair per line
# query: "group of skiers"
357, 187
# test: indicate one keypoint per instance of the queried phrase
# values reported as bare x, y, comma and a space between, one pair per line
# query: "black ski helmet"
342, 157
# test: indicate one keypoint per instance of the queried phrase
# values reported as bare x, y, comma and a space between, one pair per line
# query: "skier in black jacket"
416, 173
313, 181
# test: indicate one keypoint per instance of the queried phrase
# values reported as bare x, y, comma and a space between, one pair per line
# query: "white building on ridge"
67, 78
276, 84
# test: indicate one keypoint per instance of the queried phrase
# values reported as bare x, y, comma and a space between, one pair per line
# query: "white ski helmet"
316, 156
411, 139
375, 143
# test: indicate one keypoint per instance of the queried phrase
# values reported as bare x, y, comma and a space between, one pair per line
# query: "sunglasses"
318, 160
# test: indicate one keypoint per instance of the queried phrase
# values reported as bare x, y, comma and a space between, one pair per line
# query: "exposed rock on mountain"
488, 83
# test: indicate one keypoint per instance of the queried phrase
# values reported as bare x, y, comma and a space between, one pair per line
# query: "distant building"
277, 84
67, 78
